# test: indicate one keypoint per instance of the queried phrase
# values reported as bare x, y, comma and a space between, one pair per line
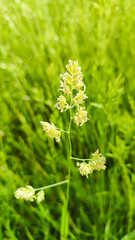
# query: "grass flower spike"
72, 83
27, 193
75, 75
52, 131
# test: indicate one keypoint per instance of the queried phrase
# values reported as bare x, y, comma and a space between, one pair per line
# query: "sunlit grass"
37, 39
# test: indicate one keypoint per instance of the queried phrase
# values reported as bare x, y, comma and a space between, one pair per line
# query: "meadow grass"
37, 39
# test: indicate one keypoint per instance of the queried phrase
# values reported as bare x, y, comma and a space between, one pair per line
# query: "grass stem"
52, 185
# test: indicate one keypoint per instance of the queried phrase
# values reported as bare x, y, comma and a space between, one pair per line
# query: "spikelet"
81, 116
27, 193
52, 131
97, 163
84, 168
62, 103
79, 98
40, 196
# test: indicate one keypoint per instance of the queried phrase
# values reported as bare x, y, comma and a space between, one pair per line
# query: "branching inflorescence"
72, 97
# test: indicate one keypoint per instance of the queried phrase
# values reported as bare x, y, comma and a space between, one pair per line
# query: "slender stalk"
81, 159
70, 151
62, 130
52, 185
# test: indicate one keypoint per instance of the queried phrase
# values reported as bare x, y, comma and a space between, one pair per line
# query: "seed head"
64, 88
40, 196
79, 98
62, 103
84, 168
67, 78
81, 116
98, 161
27, 193
52, 131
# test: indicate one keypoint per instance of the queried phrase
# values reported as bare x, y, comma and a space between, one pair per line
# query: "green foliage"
37, 39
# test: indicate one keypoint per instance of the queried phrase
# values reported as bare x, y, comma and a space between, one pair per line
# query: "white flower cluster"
28, 194
97, 163
52, 131
72, 82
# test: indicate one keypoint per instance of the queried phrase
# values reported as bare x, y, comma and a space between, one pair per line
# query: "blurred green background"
37, 38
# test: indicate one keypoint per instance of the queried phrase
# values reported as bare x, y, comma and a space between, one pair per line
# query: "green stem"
52, 185
81, 159
70, 151
62, 130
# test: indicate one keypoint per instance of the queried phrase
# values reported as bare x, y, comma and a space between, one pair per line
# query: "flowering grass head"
28, 194
97, 162
84, 168
81, 116
71, 84
52, 131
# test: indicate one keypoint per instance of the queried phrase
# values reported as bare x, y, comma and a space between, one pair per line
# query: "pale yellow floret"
72, 66
52, 131
81, 117
67, 78
76, 76
98, 161
77, 81
84, 168
40, 196
62, 103
64, 88
27, 193
79, 98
